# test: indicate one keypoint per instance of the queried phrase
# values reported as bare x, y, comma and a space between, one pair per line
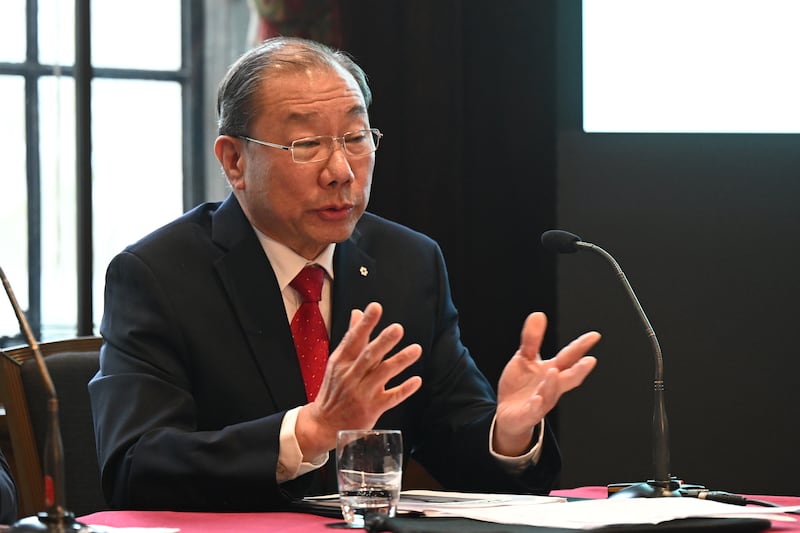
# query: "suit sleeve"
154, 452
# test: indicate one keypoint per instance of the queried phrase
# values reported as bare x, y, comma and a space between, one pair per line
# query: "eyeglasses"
357, 143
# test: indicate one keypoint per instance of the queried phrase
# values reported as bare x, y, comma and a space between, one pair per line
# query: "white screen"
695, 66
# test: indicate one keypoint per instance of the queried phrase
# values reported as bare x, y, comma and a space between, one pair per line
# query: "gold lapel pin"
363, 270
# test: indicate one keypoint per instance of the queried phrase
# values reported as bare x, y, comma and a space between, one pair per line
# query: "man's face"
305, 206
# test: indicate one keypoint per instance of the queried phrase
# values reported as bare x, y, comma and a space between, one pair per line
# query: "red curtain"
313, 19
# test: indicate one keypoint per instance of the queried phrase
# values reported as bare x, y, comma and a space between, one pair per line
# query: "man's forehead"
310, 77
305, 95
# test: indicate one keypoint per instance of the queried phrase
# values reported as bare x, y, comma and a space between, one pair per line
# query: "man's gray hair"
235, 105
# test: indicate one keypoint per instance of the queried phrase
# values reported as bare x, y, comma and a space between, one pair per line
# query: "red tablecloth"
306, 523
212, 522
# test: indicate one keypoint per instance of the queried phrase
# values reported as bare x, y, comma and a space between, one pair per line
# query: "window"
691, 66
143, 131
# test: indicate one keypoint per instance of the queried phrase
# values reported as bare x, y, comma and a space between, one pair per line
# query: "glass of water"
369, 466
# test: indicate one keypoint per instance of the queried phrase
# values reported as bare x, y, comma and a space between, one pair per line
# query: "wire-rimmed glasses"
358, 143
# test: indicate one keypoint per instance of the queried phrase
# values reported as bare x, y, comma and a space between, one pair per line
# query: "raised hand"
530, 387
353, 393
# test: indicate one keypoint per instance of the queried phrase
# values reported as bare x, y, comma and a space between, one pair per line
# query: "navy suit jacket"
198, 367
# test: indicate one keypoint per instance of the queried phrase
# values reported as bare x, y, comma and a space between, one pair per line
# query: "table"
601, 492
213, 522
195, 522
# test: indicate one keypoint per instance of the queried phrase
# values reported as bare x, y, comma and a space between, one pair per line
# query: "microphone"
564, 242
55, 518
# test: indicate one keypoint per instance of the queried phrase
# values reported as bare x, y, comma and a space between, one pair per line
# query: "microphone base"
650, 489
49, 523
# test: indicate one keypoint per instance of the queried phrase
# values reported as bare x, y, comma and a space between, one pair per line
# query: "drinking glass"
369, 466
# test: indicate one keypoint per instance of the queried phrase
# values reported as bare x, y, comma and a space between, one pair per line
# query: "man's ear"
229, 152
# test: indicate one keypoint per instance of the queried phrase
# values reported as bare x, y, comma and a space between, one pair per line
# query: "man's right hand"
353, 393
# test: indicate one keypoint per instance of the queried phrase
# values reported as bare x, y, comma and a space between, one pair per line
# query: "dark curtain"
465, 94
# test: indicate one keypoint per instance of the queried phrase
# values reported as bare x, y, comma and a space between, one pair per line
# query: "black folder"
402, 524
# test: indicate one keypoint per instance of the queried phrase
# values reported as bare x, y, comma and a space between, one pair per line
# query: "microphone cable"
726, 497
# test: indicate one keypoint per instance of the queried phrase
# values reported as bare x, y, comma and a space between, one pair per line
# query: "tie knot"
309, 283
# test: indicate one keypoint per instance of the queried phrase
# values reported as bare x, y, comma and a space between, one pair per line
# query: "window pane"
137, 166
145, 34
12, 33
57, 160
57, 32
13, 191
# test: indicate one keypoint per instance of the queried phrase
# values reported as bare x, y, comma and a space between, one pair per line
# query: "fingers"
364, 355
355, 316
391, 367
374, 351
354, 390
572, 364
397, 395
530, 387
357, 336
557, 381
361, 325
575, 350
372, 371
547, 393
532, 334
575, 375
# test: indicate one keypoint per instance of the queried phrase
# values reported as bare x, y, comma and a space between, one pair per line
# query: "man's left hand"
530, 387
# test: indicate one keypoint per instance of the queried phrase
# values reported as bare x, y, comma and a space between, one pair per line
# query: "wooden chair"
71, 364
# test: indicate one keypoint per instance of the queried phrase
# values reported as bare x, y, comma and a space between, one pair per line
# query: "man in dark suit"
200, 400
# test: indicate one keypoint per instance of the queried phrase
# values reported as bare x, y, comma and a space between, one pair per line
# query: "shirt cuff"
518, 464
290, 457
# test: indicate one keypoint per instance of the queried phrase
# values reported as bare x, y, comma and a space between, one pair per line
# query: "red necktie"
308, 329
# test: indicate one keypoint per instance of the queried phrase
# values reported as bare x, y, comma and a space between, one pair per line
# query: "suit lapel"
254, 294
353, 286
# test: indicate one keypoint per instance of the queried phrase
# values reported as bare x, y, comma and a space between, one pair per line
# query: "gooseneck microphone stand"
55, 518
663, 484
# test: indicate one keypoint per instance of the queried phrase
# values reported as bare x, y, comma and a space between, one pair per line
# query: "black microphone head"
560, 241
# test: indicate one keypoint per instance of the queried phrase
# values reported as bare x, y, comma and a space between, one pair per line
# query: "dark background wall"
706, 228
464, 92
480, 103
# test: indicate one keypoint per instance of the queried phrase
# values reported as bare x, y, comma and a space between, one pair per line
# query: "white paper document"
432, 502
437, 502
587, 514
551, 511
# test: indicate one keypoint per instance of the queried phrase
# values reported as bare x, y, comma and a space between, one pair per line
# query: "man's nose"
337, 168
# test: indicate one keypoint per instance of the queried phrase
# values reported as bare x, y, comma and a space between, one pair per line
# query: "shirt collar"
287, 263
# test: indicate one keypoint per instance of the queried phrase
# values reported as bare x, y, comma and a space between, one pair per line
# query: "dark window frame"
190, 76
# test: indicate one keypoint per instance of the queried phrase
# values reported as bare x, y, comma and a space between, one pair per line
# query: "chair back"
71, 364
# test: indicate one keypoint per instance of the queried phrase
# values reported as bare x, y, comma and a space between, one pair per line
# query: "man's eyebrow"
302, 117
355, 111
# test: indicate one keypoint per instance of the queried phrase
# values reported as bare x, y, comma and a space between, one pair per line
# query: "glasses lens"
311, 149
361, 142
320, 148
